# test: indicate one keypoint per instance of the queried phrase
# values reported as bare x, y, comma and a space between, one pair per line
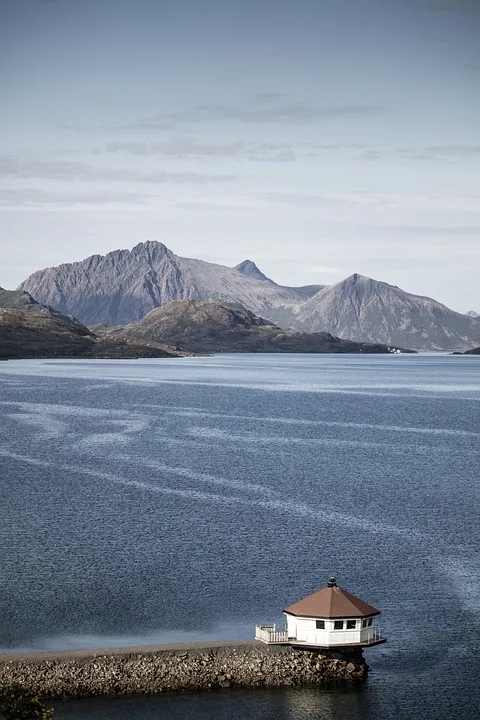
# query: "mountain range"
123, 286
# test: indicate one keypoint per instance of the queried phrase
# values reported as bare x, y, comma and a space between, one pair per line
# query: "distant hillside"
125, 285
225, 327
363, 309
31, 330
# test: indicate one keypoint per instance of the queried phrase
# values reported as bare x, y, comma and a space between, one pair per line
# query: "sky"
316, 137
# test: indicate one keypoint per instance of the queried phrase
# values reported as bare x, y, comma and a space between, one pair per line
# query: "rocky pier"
176, 668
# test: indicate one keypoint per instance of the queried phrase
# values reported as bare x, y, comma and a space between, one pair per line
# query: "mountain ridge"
361, 308
124, 285
248, 267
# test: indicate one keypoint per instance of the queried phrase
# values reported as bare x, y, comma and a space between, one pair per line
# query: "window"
351, 624
338, 625
320, 624
364, 623
370, 621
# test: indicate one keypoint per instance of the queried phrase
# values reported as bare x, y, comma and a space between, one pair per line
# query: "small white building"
330, 617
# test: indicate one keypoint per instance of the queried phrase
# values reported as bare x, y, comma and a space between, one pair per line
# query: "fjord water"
175, 500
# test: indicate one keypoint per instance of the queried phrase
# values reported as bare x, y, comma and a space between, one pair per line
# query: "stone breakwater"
197, 668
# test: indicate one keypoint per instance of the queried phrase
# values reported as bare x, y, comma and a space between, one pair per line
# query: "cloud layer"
182, 146
27, 168
254, 114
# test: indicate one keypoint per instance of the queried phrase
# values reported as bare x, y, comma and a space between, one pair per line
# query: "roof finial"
332, 582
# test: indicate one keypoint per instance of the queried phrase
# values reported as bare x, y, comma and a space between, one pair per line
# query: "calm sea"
174, 500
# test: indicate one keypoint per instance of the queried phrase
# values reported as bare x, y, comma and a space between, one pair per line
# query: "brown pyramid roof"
331, 602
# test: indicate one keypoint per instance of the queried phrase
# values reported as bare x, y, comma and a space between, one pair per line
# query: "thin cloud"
438, 152
437, 203
14, 166
211, 206
372, 154
293, 114
11, 198
267, 97
187, 146
35, 198
438, 231
301, 199
180, 146
433, 153
288, 114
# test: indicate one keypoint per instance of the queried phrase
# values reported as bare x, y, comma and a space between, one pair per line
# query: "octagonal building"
330, 617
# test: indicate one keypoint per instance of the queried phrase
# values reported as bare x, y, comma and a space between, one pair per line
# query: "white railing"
271, 634
375, 636
367, 637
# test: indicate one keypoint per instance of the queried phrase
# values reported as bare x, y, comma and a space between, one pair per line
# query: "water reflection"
335, 702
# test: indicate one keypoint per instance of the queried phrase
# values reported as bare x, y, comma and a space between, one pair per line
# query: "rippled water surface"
163, 500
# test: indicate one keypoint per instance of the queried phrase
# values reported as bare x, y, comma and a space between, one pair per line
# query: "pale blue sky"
317, 137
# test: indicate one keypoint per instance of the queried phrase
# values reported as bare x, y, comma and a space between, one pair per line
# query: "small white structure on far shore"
330, 617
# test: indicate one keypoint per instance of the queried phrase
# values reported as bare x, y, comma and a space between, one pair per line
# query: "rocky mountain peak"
363, 289
361, 280
356, 277
150, 248
248, 268
361, 308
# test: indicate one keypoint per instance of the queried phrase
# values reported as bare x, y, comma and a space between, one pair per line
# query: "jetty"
323, 640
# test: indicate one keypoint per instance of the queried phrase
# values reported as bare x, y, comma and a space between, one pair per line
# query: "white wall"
305, 630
